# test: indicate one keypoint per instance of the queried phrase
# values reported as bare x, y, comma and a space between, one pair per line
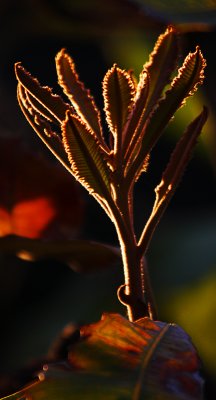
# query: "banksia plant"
137, 112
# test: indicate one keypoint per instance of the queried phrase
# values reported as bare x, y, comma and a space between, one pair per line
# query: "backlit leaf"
42, 128
157, 71
162, 62
172, 175
180, 158
51, 106
79, 96
118, 92
190, 75
86, 157
116, 359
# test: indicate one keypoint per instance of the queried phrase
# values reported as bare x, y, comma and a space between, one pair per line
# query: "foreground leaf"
81, 255
116, 359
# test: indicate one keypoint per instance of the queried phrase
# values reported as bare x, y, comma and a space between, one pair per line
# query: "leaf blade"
52, 105
86, 156
42, 128
79, 96
171, 176
118, 93
189, 77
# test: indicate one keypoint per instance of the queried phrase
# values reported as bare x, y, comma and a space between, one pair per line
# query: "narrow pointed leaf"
81, 255
42, 128
85, 156
180, 158
172, 175
190, 75
118, 92
50, 105
134, 125
79, 96
116, 359
161, 64
157, 70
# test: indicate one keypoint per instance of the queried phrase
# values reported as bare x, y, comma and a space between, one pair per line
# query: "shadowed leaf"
79, 96
118, 92
85, 156
117, 359
50, 105
81, 255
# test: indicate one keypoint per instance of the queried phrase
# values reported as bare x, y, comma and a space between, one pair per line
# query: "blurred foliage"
193, 13
38, 299
194, 307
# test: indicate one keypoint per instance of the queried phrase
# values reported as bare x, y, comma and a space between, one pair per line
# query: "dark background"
38, 299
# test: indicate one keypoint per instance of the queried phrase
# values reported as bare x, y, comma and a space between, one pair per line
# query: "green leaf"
86, 157
79, 96
116, 359
49, 105
190, 75
118, 92
81, 255
172, 175
42, 128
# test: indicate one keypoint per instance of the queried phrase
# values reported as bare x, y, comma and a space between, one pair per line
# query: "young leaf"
42, 128
118, 92
80, 97
190, 75
172, 175
161, 64
157, 71
51, 106
86, 157
116, 359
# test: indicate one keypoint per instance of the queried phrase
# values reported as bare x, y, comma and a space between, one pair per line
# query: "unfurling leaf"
86, 157
42, 128
118, 92
117, 359
79, 96
48, 104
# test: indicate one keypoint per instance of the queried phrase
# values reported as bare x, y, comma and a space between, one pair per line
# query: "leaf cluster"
137, 113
